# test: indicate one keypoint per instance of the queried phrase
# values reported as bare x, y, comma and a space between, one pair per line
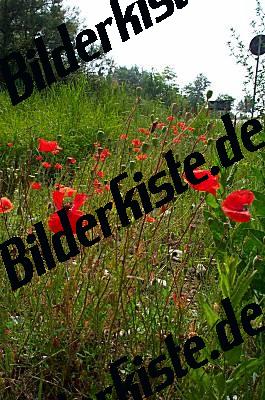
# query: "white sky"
192, 41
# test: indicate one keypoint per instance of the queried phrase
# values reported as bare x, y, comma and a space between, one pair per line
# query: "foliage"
124, 294
158, 86
243, 56
22, 20
195, 92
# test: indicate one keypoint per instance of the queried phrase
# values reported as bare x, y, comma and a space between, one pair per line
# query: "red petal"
238, 199
79, 201
58, 199
237, 216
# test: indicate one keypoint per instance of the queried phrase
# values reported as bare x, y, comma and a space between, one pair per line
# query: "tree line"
21, 20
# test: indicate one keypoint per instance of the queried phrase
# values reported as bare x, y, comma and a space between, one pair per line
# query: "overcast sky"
192, 41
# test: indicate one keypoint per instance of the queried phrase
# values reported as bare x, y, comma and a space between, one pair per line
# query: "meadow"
165, 273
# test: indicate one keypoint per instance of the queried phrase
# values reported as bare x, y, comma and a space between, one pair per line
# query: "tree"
195, 91
245, 106
22, 20
156, 85
240, 51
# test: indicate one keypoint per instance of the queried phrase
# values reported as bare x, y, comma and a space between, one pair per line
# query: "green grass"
58, 333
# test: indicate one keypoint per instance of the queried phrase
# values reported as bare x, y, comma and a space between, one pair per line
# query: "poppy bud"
138, 91
100, 135
210, 126
145, 147
174, 109
155, 142
132, 165
209, 94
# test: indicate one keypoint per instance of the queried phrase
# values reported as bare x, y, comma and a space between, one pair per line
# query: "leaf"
210, 314
233, 356
259, 208
211, 201
242, 285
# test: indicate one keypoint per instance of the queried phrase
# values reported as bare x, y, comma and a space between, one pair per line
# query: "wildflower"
39, 158
96, 183
144, 131
136, 142
67, 191
10, 144
58, 166
142, 157
235, 205
100, 174
176, 140
104, 154
5, 205
123, 136
72, 209
202, 138
46, 165
136, 149
48, 146
36, 185
150, 219
210, 185
160, 125
71, 160
107, 187
170, 118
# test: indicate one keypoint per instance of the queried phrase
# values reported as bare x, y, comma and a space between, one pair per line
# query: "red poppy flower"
96, 183
123, 136
144, 131
67, 191
100, 174
47, 146
210, 185
46, 165
104, 154
150, 219
176, 140
5, 205
142, 157
202, 138
160, 125
107, 187
39, 158
235, 205
170, 118
73, 212
58, 166
136, 142
36, 185
182, 125
136, 149
10, 144
71, 160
